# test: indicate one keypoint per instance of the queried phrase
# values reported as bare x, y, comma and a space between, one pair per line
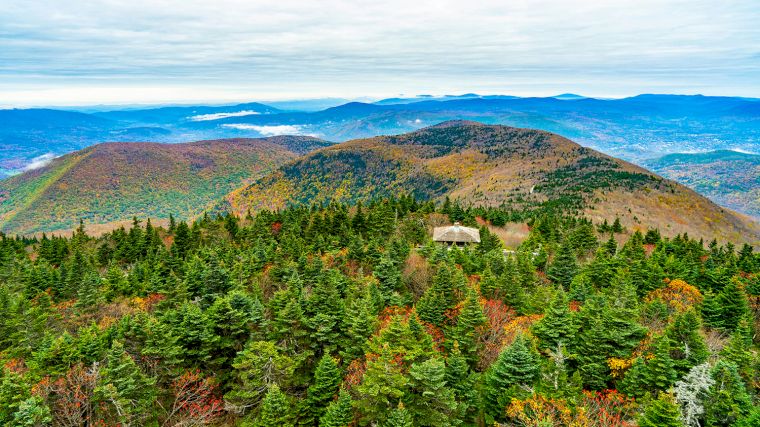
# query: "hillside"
729, 177
115, 181
492, 165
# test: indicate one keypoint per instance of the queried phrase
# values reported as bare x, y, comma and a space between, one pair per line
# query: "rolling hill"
112, 182
491, 164
731, 178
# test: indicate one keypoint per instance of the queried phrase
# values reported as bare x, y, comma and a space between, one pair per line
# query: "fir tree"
275, 409
711, 311
662, 412
124, 388
465, 332
733, 305
327, 379
564, 266
339, 412
727, 400
399, 417
556, 327
516, 366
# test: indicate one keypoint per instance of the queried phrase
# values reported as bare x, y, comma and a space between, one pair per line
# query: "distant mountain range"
636, 129
730, 178
112, 182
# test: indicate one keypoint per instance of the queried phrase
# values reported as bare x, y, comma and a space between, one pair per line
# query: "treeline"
341, 315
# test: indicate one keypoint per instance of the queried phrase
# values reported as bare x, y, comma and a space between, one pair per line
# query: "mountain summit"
494, 165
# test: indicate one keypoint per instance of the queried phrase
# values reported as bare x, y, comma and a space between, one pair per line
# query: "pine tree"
564, 266
662, 412
389, 276
590, 346
461, 380
275, 409
327, 379
556, 327
339, 412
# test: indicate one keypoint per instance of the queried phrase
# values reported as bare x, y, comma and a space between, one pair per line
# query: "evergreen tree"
687, 345
734, 306
259, 367
662, 412
465, 332
127, 392
399, 417
711, 311
728, 400
556, 327
275, 410
327, 379
739, 350
517, 366
339, 412
564, 266
429, 400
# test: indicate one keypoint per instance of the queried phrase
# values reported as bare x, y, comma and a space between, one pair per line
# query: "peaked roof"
456, 234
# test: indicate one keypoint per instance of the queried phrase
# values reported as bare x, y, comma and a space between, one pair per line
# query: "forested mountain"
493, 165
728, 177
340, 315
111, 183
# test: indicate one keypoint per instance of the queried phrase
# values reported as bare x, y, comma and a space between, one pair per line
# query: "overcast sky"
149, 51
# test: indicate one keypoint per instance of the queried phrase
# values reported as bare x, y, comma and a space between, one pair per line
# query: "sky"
85, 52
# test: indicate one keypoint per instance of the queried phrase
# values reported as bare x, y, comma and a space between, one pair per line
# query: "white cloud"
217, 116
270, 130
174, 50
39, 161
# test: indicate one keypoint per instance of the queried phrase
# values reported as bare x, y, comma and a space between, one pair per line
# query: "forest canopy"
337, 315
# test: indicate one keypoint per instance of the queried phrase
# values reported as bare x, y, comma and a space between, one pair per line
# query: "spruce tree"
127, 392
728, 400
556, 327
739, 350
339, 412
399, 417
516, 366
327, 379
465, 332
564, 266
688, 346
275, 409
662, 412
733, 305
712, 314
429, 400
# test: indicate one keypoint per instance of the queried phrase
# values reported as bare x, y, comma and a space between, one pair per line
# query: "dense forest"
338, 315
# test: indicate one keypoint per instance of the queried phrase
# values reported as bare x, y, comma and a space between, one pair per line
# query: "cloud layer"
151, 50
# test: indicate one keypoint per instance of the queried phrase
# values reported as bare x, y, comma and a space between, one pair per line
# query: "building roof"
456, 234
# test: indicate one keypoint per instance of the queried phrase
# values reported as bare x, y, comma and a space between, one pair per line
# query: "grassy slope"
494, 165
112, 182
729, 177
